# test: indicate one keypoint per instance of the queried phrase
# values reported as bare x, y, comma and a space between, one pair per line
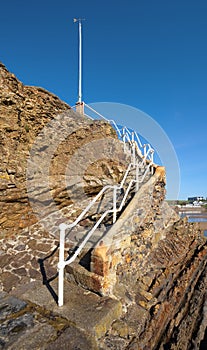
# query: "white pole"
124, 138
79, 20
80, 62
61, 265
133, 150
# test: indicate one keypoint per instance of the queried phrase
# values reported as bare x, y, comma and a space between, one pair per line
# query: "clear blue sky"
148, 54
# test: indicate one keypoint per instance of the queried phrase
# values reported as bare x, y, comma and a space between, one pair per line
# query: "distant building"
195, 199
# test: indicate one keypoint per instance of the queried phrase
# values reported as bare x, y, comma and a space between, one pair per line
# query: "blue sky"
151, 55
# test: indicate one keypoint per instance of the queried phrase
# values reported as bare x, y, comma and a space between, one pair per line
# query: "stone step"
86, 311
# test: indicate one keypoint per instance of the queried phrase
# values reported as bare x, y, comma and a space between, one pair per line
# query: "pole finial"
78, 20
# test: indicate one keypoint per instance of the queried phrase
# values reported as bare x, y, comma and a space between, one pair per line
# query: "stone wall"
160, 273
155, 264
34, 121
148, 210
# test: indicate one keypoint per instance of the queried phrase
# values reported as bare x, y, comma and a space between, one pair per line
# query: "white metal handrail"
130, 135
89, 206
128, 138
123, 132
94, 200
62, 262
63, 227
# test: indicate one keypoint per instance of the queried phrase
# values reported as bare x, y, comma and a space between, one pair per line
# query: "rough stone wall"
25, 113
160, 278
155, 264
147, 211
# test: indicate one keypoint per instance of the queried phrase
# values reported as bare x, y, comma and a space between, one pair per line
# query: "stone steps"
75, 271
90, 318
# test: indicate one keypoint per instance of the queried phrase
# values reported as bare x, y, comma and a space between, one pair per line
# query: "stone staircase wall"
110, 249
156, 264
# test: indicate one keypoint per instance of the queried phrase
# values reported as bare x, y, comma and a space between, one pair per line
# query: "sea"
197, 219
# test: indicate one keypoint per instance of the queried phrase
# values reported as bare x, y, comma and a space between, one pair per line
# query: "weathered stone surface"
159, 267
36, 337
9, 280
72, 338
150, 266
24, 112
19, 326
94, 314
10, 305
5, 259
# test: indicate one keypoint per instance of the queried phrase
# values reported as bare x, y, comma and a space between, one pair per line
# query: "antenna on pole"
80, 104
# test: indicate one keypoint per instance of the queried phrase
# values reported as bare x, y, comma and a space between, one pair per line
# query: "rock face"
24, 113
143, 285
156, 265
160, 277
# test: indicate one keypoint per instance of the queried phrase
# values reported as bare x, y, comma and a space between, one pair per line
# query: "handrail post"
152, 161
114, 204
152, 156
124, 138
134, 155
145, 151
133, 150
137, 177
61, 265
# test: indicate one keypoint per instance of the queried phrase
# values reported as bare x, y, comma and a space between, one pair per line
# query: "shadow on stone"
46, 281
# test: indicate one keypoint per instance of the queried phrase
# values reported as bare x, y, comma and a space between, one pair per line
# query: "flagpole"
80, 63
79, 103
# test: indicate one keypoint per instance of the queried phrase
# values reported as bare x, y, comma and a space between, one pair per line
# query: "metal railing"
114, 210
131, 140
123, 133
